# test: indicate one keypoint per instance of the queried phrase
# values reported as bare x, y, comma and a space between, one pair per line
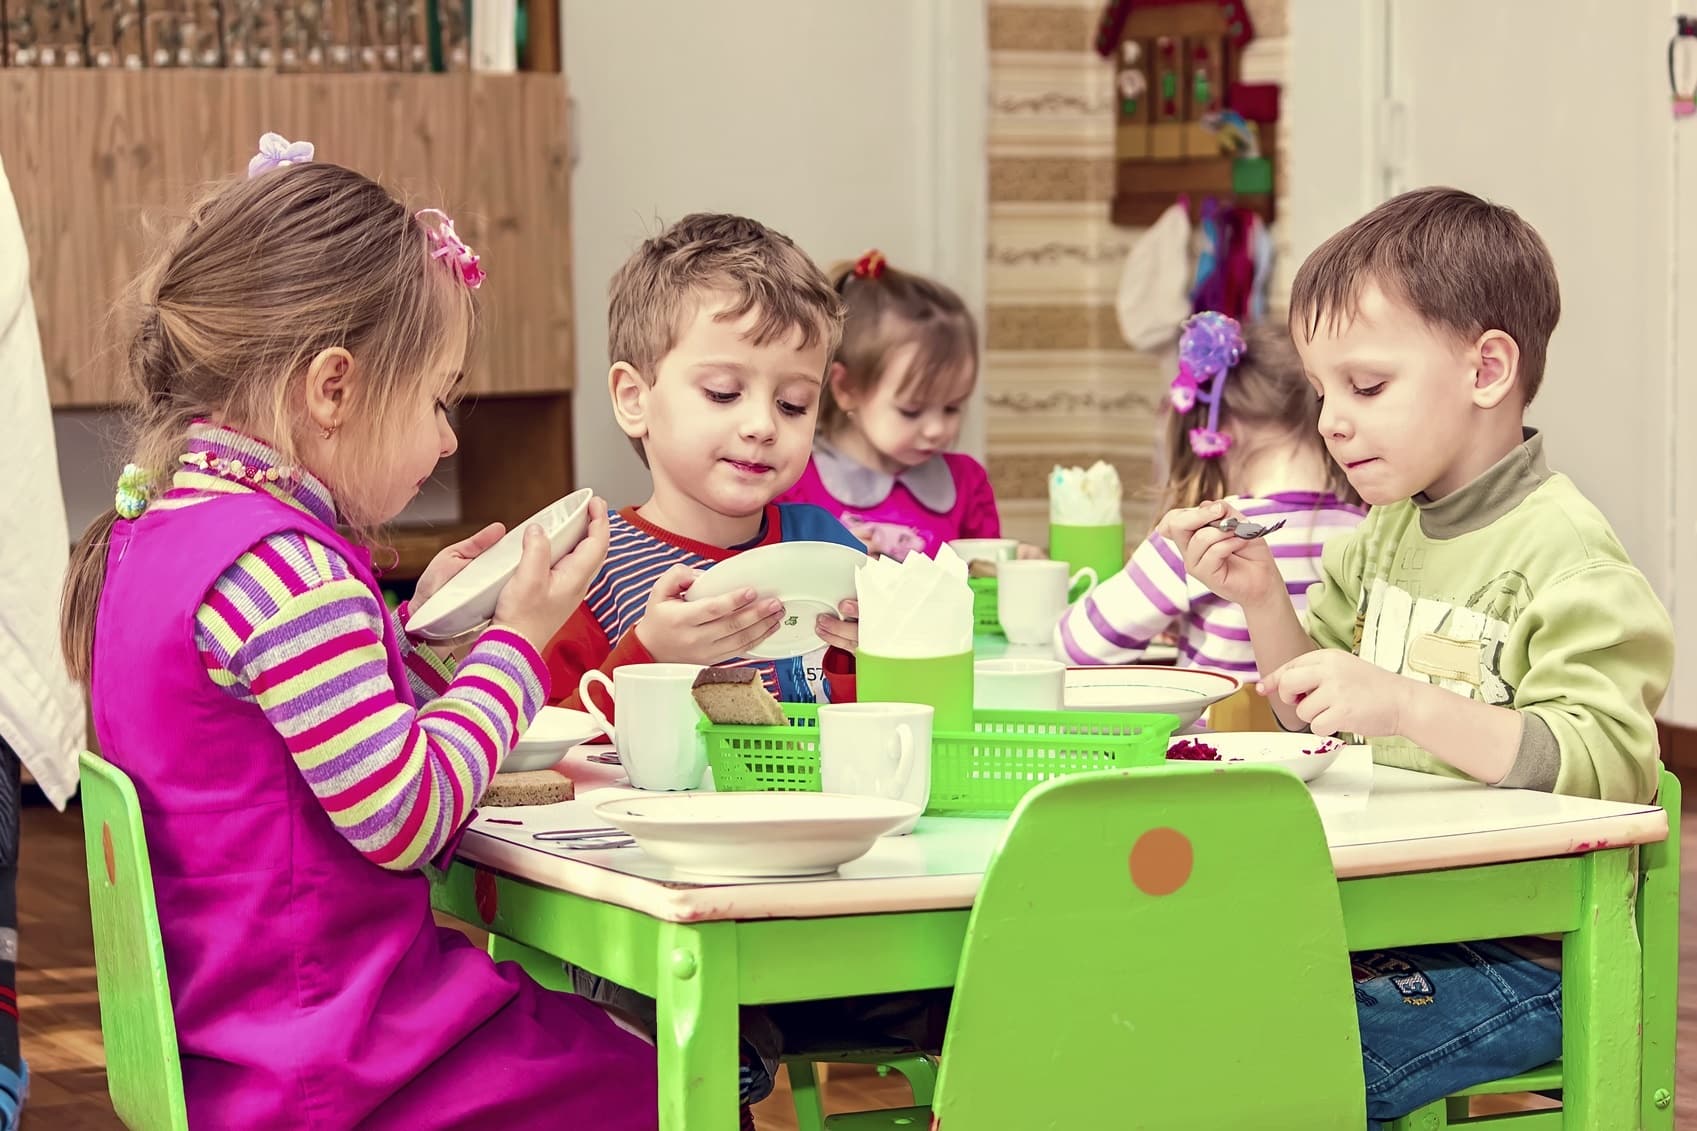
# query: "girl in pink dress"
892, 410
298, 758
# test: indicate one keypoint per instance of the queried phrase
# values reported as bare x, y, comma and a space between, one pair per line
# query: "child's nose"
1332, 420
759, 422
450, 441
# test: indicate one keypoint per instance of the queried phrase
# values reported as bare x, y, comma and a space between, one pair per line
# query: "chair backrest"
1156, 948
1658, 933
143, 1069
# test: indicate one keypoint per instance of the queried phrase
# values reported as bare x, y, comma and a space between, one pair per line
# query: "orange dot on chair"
1161, 861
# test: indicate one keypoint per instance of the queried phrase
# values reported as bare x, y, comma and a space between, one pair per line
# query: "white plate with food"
1148, 688
810, 578
550, 737
1305, 755
467, 600
756, 834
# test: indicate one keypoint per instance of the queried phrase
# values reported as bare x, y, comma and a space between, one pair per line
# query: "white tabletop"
1378, 821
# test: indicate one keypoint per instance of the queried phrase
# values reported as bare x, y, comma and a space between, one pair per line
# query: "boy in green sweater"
1483, 622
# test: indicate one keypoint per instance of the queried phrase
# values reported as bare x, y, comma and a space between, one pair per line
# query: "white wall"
1561, 112
845, 126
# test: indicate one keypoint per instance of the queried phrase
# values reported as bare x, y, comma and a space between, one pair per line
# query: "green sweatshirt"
1515, 591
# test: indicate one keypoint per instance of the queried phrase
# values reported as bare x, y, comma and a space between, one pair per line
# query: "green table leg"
1601, 1005
697, 1004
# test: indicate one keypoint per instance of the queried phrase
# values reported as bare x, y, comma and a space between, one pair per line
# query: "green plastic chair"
143, 1069
1153, 948
1658, 943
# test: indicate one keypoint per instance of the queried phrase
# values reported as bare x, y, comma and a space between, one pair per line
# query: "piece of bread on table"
527, 787
736, 697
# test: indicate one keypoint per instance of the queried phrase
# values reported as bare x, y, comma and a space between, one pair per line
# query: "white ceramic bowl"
468, 599
1152, 689
756, 834
1304, 755
550, 737
810, 578
985, 549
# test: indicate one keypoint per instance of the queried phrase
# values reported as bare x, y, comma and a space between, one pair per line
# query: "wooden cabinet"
98, 158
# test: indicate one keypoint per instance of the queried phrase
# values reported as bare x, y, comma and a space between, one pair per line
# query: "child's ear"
1499, 369
630, 399
837, 378
329, 388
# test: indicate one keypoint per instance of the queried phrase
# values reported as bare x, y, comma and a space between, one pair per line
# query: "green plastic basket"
1008, 754
985, 621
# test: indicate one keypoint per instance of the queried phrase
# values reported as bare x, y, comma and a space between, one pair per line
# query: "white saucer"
756, 834
468, 599
810, 578
985, 549
1148, 688
550, 736
1305, 755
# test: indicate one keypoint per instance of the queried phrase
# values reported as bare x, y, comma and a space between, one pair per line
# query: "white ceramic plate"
1304, 755
985, 549
551, 735
467, 601
756, 834
1185, 692
810, 578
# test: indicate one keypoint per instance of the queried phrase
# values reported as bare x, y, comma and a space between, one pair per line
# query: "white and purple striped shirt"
1153, 594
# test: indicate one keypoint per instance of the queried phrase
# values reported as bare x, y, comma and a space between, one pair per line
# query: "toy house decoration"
1184, 125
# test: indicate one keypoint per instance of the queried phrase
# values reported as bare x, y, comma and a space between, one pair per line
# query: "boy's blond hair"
760, 270
1463, 264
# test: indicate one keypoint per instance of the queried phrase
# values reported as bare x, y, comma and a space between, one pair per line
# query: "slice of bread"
737, 697
527, 787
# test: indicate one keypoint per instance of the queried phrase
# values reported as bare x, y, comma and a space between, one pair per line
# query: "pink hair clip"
448, 247
278, 152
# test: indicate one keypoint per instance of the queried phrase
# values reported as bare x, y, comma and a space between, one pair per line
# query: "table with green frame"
1419, 859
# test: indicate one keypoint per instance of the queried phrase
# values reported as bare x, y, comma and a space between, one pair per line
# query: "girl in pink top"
891, 412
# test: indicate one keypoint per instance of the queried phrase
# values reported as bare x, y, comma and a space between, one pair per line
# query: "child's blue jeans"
1437, 1019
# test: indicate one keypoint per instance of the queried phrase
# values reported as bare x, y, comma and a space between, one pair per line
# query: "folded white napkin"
915, 608
1085, 498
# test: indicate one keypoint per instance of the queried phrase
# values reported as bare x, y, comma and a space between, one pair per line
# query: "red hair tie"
871, 265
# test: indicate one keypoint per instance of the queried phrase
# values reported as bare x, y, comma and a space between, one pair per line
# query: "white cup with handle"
877, 750
656, 735
1018, 685
1032, 595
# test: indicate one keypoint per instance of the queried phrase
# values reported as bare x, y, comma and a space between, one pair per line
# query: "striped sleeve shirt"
290, 628
1152, 595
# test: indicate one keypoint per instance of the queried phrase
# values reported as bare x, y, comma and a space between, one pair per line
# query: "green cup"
945, 682
1102, 548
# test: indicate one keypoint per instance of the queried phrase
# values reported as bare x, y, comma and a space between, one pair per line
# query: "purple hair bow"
278, 152
1211, 344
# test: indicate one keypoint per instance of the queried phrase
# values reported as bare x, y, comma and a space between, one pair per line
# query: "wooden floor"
61, 1012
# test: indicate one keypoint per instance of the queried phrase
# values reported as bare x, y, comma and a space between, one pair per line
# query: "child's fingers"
674, 583
1181, 523
1293, 682
714, 610
471, 547
738, 642
1213, 556
849, 609
837, 633
532, 572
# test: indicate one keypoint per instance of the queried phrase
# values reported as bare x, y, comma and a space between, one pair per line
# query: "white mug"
877, 750
1032, 595
656, 736
1019, 685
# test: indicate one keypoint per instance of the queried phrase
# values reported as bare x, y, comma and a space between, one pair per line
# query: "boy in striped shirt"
720, 330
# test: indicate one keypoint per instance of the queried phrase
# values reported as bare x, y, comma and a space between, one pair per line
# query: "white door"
845, 126
1560, 111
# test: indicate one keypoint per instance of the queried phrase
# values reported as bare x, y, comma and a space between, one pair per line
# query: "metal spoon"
1245, 529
